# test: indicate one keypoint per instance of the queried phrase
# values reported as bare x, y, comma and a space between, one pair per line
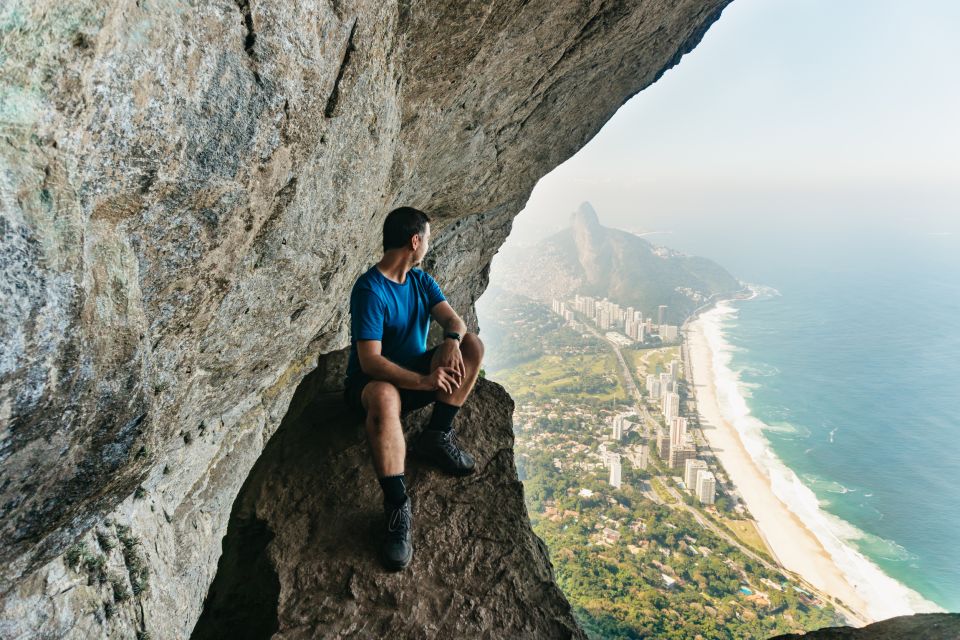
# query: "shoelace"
449, 443
399, 521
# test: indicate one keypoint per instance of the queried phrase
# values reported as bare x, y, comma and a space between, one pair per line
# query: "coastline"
793, 544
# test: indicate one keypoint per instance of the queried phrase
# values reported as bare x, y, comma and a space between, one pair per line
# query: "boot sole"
395, 566
430, 461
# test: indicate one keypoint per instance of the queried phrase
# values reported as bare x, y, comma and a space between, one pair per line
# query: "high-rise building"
615, 470
661, 314
663, 443
639, 456
690, 469
680, 454
706, 487
668, 332
617, 429
674, 370
641, 333
650, 380
671, 406
678, 431
665, 386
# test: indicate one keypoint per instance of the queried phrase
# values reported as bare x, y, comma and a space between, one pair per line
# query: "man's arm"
447, 318
450, 355
375, 365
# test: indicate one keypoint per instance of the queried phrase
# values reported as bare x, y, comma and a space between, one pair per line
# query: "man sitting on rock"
391, 371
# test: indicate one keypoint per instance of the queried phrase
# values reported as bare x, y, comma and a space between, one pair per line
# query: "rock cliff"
311, 509
927, 626
188, 191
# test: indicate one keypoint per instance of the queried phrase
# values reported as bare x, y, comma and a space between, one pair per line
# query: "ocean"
843, 376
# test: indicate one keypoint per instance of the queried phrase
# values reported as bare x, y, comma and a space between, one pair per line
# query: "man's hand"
446, 379
451, 356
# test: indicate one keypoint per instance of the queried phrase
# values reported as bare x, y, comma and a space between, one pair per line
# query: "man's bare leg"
381, 400
385, 434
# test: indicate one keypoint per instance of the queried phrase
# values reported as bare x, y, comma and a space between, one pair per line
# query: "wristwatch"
452, 334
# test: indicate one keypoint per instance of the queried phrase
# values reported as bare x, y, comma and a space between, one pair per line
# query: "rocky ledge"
300, 555
925, 626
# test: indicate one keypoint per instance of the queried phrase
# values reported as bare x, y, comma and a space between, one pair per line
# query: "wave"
886, 597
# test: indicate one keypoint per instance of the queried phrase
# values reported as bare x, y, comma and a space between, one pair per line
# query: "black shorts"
410, 399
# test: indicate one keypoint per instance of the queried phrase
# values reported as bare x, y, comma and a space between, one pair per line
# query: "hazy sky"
789, 113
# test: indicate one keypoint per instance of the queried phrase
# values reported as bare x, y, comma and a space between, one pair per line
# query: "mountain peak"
585, 215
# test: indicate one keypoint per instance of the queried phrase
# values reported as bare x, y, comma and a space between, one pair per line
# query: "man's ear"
415, 241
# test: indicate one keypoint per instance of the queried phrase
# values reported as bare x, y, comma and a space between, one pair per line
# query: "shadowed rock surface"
926, 626
188, 192
309, 520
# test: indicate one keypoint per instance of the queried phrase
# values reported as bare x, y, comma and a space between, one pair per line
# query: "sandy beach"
793, 544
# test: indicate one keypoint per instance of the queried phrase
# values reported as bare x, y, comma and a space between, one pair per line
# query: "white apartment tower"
678, 431
671, 406
615, 470
690, 469
706, 487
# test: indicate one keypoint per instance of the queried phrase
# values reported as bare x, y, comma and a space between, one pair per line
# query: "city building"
671, 406
651, 379
663, 443
680, 454
669, 332
706, 487
661, 314
615, 471
674, 370
639, 456
678, 431
690, 469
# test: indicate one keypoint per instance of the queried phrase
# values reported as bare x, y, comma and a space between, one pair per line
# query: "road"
627, 377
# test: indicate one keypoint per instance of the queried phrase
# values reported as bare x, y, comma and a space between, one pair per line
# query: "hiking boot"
440, 449
398, 543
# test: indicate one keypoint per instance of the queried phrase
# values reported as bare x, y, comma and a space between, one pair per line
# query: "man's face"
421, 250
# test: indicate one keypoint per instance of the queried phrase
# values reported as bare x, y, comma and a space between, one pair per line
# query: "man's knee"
381, 399
472, 348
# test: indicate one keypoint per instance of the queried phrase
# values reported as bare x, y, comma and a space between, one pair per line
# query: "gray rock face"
926, 626
187, 193
300, 555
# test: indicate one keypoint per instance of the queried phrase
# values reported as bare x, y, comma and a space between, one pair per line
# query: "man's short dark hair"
402, 224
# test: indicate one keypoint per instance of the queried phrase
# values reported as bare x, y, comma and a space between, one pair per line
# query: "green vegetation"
137, 568
581, 376
635, 569
81, 559
631, 568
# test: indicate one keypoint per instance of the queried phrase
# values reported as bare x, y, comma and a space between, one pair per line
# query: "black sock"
443, 415
394, 491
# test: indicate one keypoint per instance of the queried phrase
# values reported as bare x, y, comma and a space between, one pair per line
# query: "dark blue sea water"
853, 367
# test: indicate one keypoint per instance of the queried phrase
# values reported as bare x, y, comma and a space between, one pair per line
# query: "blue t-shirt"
398, 315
